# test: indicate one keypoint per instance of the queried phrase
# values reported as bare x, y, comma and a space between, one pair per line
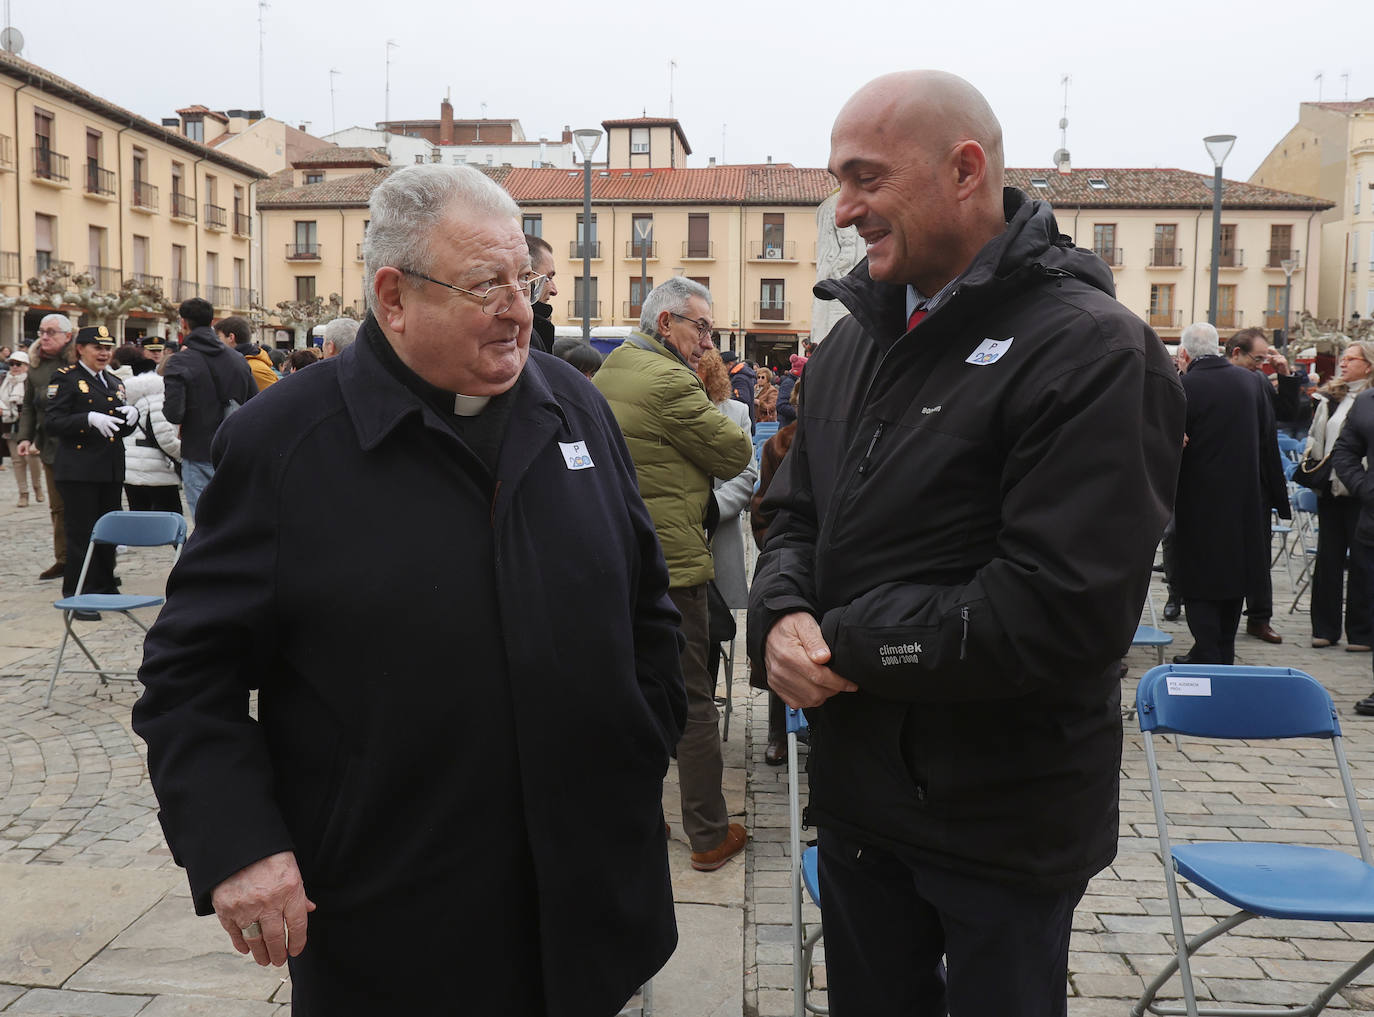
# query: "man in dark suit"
1222, 507
87, 414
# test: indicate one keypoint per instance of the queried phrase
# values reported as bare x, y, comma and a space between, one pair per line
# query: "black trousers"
166, 498
1213, 624
888, 923
84, 503
1336, 521
1259, 598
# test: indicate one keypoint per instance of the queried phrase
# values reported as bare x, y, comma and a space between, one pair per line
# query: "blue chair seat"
106, 602
811, 874
1282, 880
1148, 635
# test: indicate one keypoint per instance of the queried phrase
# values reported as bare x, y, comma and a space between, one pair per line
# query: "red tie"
915, 318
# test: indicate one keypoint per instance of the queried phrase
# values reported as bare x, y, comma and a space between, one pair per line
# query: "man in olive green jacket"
679, 441
47, 356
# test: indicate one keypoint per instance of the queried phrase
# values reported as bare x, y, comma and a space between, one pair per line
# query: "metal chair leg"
61, 649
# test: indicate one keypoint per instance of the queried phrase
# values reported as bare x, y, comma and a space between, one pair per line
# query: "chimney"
567, 135
543, 151
445, 122
712, 163
770, 160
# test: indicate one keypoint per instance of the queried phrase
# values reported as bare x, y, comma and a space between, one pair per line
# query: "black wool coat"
468, 693
1225, 482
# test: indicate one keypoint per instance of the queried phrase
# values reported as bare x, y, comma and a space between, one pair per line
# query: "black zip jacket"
199, 381
971, 509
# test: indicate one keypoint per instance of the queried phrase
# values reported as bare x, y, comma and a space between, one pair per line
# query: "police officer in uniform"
88, 416
155, 347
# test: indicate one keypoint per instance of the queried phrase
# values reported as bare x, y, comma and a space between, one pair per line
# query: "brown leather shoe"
776, 752
733, 844
1263, 630
53, 571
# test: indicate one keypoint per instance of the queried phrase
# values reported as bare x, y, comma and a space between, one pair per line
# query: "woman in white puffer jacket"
153, 451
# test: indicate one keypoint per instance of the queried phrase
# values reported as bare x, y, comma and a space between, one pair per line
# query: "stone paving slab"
703, 981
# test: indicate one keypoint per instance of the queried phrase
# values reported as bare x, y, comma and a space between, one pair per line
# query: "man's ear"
970, 168
388, 289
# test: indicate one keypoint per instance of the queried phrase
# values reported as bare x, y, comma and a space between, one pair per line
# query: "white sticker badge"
1181, 685
575, 454
990, 351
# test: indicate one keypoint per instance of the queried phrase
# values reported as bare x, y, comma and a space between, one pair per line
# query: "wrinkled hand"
25, 448
796, 655
269, 892
104, 423
130, 413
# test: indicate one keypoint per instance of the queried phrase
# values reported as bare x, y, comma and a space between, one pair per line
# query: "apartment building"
1154, 228
89, 187
1330, 153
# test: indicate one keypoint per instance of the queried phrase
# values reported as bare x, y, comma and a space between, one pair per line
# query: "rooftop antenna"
722, 144
1345, 81
672, 66
333, 120
390, 45
262, 65
1061, 157
1318, 80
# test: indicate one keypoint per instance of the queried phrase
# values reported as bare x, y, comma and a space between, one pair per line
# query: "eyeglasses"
703, 329
51, 331
495, 299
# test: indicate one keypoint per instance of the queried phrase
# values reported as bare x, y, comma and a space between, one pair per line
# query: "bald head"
918, 156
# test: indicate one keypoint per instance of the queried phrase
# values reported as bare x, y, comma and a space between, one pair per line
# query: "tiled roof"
652, 122
47, 81
1152, 188
342, 157
204, 110
345, 192
718, 185
1362, 106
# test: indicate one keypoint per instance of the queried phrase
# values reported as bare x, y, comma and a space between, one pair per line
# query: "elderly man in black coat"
1222, 505
449, 796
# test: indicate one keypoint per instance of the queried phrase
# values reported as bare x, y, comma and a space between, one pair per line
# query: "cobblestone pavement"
97, 920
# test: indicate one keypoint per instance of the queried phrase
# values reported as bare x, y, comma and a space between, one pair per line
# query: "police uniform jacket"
83, 453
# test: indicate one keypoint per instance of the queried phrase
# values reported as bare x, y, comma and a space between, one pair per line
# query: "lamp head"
1219, 147
587, 139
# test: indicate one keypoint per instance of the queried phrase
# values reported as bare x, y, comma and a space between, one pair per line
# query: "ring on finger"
252, 931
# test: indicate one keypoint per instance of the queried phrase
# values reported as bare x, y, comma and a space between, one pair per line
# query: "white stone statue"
837, 252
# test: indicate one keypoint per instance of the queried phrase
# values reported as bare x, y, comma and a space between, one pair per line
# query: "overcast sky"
1148, 80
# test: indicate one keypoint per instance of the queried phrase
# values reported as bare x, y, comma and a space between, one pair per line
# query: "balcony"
218, 296
9, 267
631, 310
358, 252
1165, 319
1273, 319
183, 207
1229, 259
242, 299
698, 251
144, 279
575, 309
6, 153
144, 197
781, 250
575, 250
633, 249
303, 252
182, 289
1113, 256
1230, 319
1166, 257
43, 261
243, 225
49, 166
107, 280
100, 182
772, 310
216, 217
1276, 256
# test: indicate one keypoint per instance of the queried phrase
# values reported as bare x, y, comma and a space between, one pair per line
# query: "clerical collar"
469, 406
441, 400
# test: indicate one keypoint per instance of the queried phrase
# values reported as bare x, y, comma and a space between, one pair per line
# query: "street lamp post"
587, 140
1218, 147
1288, 265
644, 229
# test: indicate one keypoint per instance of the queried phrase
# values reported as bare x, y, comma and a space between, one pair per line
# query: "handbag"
1314, 474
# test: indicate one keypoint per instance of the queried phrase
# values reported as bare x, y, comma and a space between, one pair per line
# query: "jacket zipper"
863, 465
963, 642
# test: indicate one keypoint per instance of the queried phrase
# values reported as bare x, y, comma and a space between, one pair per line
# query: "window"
590, 238
1104, 242
314, 177
140, 258
1227, 257
195, 129
642, 235
584, 298
140, 165
704, 280
306, 245
43, 161
772, 306
1097, 183
1369, 304
305, 288
698, 235
211, 189
211, 268
1226, 307
240, 275
639, 141
533, 225
1162, 304
1165, 251
92, 160
1273, 307
44, 236
178, 172
180, 268
238, 200
773, 236
1359, 186
639, 289
96, 249
1355, 248
1280, 245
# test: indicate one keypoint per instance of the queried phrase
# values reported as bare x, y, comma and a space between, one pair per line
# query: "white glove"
130, 413
106, 425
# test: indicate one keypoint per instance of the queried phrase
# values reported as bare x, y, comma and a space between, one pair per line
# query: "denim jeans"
194, 476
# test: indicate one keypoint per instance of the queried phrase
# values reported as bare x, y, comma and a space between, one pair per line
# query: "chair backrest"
1287, 443
140, 529
1306, 500
1234, 702
796, 722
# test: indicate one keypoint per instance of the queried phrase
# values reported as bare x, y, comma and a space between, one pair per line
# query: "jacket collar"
654, 344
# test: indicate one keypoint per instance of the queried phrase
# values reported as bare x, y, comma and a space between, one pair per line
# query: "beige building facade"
1330, 153
88, 187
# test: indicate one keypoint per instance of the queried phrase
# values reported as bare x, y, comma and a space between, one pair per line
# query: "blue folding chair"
804, 875
1263, 880
132, 529
1152, 635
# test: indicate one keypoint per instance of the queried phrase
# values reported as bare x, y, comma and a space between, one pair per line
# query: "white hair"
1200, 340
340, 333
673, 296
408, 205
63, 322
